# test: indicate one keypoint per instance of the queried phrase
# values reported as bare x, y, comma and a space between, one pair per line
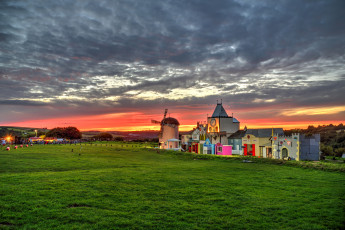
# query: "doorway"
249, 150
285, 153
269, 152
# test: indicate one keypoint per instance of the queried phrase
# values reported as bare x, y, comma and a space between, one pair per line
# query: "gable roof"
265, 132
196, 132
219, 111
207, 142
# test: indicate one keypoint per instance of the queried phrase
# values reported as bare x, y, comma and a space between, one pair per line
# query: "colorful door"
253, 149
245, 149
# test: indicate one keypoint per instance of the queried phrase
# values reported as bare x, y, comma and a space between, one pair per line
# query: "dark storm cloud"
282, 50
22, 102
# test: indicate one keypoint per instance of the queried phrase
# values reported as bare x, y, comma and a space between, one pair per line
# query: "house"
257, 142
235, 140
223, 149
208, 147
195, 141
186, 141
220, 125
198, 136
296, 147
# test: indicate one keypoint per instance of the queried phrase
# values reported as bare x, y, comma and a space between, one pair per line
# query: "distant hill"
21, 131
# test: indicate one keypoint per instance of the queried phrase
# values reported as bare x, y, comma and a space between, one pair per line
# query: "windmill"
168, 130
162, 123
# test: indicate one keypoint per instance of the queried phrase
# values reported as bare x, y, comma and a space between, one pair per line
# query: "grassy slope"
109, 187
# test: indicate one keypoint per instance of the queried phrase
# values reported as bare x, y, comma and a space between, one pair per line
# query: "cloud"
106, 56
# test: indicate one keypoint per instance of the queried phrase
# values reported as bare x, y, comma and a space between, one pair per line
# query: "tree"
65, 132
104, 136
311, 127
57, 132
326, 150
72, 133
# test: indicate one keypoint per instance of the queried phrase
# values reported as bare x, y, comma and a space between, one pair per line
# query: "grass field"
119, 187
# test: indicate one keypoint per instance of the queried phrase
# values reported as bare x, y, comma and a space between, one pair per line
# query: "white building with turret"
220, 125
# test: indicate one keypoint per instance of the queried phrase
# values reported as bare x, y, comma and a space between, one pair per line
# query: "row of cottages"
254, 142
271, 143
221, 136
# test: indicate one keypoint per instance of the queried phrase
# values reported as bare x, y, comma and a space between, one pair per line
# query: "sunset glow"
138, 121
109, 66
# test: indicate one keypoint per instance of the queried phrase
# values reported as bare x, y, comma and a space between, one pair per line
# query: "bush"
327, 150
339, 152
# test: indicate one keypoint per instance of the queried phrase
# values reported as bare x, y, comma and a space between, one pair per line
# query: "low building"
296, 147
186, 141
235, 140
223, 149
257, 142
208, 147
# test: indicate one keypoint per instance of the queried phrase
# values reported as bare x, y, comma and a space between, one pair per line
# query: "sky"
117, 64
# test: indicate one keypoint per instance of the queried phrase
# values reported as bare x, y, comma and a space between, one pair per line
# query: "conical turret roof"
219, 111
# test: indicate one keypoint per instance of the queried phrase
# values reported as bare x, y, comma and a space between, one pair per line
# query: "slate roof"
265, 132
238, 135
219, 111
235, 120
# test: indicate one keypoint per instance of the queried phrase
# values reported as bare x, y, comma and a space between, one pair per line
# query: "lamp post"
36, 132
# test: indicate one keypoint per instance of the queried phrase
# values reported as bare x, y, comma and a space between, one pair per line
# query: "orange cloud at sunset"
188, 117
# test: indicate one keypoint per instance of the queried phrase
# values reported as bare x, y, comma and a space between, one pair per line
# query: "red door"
245, 149
253, 148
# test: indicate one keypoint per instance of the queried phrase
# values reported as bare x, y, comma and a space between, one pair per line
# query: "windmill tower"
168, 134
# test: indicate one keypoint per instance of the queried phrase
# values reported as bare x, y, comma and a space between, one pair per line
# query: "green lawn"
117, 187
